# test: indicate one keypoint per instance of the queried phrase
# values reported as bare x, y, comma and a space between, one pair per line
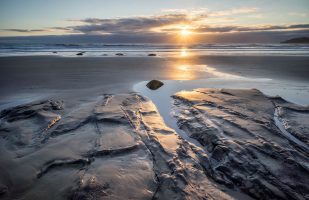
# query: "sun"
184, 32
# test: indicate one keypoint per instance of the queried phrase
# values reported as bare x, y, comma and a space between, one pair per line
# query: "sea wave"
97, 49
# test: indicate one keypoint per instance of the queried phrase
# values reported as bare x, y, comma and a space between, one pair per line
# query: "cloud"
223, 29
164, 24
49, 30
219, 13
301, 14
235, 11
161, 27
197, 22
24, 30
61, 28
299, 26
252, 37
133, 24
224, 37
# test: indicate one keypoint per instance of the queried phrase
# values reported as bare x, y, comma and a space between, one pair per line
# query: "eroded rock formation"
118, 147
114, 148
245, 148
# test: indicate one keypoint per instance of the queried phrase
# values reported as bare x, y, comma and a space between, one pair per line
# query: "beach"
89, 128
94, 75
154, 100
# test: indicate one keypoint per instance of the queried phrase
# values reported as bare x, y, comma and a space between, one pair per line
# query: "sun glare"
185, 32
184, 52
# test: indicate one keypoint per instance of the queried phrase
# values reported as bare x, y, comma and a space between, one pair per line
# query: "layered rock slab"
246, 149
115, 147
82, 155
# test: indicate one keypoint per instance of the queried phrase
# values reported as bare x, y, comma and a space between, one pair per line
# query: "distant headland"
300, 40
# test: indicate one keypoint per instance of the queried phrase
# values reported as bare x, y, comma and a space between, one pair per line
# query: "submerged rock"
154, 84
119, 54
152, 54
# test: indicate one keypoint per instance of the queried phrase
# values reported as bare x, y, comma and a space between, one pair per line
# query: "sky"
190, 21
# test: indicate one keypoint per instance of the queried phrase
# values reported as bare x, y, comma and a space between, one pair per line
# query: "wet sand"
75, 128
88, 76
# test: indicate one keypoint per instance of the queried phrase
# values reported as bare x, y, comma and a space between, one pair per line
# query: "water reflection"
185, 70
185, 67
212, 71
184, 52
181, 70
180, 74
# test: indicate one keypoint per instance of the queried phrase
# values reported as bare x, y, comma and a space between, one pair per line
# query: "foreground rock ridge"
245, 147
118, 147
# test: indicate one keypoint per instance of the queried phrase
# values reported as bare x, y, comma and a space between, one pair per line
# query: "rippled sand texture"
244, 147
114, 148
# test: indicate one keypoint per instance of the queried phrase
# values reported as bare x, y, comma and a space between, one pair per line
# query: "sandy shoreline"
92, 76
82, 131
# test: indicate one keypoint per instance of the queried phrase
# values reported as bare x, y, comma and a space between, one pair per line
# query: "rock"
57, 105
3, 190
119, 54
80, 53
54, 51
152, 54
246, 149
82, 157
154, 84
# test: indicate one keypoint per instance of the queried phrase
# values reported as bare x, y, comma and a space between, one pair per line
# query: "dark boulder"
152, 54
80, 53
119, 54
154, 84
3, 190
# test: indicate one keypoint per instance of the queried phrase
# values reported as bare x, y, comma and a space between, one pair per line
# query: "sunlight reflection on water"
186, 71
184, 52
296, 91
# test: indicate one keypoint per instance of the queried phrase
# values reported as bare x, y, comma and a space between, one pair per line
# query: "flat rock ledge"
253, 143
118, 147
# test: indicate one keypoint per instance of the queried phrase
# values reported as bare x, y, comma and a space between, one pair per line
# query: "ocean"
140, 50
